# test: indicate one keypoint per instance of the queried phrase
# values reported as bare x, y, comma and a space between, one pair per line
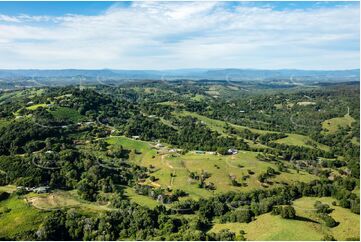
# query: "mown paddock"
269, 227
36, 106
333, 124
349, 222
308, 227
301, 140
18, 217
220, 167
63, 199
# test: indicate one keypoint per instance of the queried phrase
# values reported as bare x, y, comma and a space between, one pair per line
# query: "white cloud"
163, 35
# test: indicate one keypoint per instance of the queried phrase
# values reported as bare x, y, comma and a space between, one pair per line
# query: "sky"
176, 35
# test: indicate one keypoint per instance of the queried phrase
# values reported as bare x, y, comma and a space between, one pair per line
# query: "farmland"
196, 160
17, 217
307, 227
332, 125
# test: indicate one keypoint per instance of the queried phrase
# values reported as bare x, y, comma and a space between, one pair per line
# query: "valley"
194, 160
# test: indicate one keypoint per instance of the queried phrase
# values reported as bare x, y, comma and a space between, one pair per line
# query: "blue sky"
98, 7
171, 35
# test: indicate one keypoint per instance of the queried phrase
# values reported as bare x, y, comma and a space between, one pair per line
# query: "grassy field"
332, 125
20, 219
62, 199
349, 222
7, 188
67, 113
23, 214
292, 139
220, 168
269, 227
301, 140
218, 125
128, 143
198, 97
306, 103
36, 106
143, 149
307, 227
141, 200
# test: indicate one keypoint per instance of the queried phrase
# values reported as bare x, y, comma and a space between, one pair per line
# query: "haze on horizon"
178, 35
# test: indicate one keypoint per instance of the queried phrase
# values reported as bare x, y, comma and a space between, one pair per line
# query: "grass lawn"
7, 188
220, 168
306, 103
141, 200
301, 140
307, 227
198, 97
332, 125
63, 199
35, 106
279, 106
218, 125
128, 143
349, 222
171, 103
143, 149
292, 177
67, 113
20, 219
269, 227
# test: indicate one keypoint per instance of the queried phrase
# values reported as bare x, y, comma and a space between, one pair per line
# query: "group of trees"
159, 194
195, 135
287, 212
263, 177
130, 221
323, 210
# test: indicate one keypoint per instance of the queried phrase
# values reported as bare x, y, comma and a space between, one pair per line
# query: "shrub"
329, 221
288, 212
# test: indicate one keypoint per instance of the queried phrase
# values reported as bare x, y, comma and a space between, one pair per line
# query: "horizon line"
175, 69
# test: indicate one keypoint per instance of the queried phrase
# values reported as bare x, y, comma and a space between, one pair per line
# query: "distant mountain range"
191, 74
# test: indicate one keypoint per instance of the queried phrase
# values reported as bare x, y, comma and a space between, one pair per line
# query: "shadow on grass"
304, 219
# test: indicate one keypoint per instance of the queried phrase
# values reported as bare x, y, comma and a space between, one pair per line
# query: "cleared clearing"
36, 106
269, 227
307, 227
140, 200
67, 113
17, 217
349, 222
7, 188
291, 139
62, 199
302, 140
333, 124
306, 103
